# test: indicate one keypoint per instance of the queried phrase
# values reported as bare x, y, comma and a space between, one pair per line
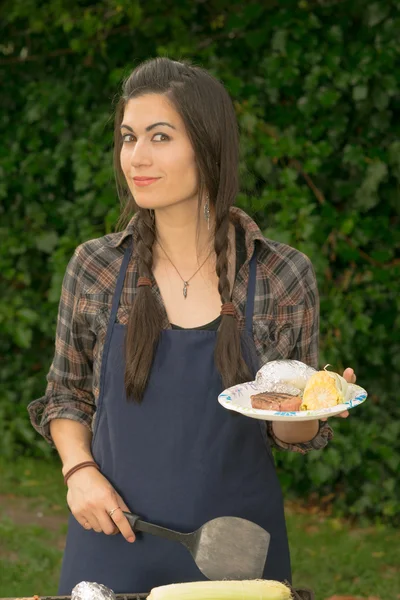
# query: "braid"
144, 244
221, 246
145, 320
228, 353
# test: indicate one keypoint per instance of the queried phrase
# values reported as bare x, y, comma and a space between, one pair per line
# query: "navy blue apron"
178, 459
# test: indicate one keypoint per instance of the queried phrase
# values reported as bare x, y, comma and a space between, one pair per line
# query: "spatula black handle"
138, 525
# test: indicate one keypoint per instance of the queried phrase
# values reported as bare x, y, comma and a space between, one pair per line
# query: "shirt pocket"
277, 332
96, 310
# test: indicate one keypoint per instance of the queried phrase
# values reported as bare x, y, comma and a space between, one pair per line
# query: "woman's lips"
142, 181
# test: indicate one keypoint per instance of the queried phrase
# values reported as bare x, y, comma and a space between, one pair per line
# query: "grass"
29, 558
331, 558
32, 527
328, 555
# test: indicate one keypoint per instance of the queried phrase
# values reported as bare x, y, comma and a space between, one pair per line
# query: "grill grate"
298, 594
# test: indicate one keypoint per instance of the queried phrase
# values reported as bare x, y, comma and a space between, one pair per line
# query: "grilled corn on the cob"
323, 390
256, 589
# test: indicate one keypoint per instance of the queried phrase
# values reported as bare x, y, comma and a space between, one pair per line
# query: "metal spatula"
224, 548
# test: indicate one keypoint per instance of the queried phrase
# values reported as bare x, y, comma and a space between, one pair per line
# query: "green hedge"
316, 88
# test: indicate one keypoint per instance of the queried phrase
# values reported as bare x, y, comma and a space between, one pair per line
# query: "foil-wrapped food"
89, 590
290, 385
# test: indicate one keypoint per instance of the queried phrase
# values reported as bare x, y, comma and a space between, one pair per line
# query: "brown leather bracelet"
82, 465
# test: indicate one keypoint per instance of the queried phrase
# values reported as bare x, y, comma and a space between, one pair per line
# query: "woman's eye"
127, 135
163, 135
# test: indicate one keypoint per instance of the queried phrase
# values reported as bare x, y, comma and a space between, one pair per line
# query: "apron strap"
251, 291
120, 281
113, 316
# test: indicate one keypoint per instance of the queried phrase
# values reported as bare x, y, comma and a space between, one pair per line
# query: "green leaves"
47, 242
360, 92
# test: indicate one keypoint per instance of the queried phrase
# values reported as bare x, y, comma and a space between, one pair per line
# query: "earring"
207, 211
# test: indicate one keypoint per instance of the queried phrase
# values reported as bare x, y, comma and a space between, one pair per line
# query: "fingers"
121, 521
349, 375
343, 414
83, 522
110, 518
101, 522
107, 524
96, 505
89, 522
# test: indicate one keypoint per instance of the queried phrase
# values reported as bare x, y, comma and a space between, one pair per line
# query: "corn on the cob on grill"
255, 589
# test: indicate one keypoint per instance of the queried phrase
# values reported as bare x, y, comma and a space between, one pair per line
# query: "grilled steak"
276, 401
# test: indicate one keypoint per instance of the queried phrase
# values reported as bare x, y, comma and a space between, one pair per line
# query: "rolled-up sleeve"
306, 350
69, 392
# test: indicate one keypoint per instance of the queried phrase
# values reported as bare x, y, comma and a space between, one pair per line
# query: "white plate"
237, 398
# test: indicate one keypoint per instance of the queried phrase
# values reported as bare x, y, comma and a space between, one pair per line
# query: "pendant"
185, 287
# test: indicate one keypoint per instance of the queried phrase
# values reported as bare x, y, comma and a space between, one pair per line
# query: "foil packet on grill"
89, 590
284, 377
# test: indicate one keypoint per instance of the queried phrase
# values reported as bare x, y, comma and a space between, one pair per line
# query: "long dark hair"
210, 121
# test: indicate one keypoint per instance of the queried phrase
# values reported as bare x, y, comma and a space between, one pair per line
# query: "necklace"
185, 282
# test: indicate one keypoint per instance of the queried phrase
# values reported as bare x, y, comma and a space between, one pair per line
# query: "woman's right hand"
91, 497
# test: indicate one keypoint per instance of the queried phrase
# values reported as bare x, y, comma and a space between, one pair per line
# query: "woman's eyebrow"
150, 127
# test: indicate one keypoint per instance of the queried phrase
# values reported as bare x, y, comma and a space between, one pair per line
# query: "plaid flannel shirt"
285, 321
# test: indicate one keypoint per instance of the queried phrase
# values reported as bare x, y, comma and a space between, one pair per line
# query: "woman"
154, 322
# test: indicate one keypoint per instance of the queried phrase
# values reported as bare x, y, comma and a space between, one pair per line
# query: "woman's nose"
141, 155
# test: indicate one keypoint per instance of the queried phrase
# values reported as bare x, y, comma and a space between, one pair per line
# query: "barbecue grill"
298, 594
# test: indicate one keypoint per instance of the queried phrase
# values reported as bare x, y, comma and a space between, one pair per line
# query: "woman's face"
155, 145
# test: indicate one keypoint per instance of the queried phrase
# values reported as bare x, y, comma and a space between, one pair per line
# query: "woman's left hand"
350, 377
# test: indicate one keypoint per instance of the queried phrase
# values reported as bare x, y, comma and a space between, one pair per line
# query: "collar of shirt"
250, 227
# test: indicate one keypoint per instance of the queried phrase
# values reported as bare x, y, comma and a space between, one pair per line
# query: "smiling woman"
175, 129
157, 152
141, 180
155, 320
